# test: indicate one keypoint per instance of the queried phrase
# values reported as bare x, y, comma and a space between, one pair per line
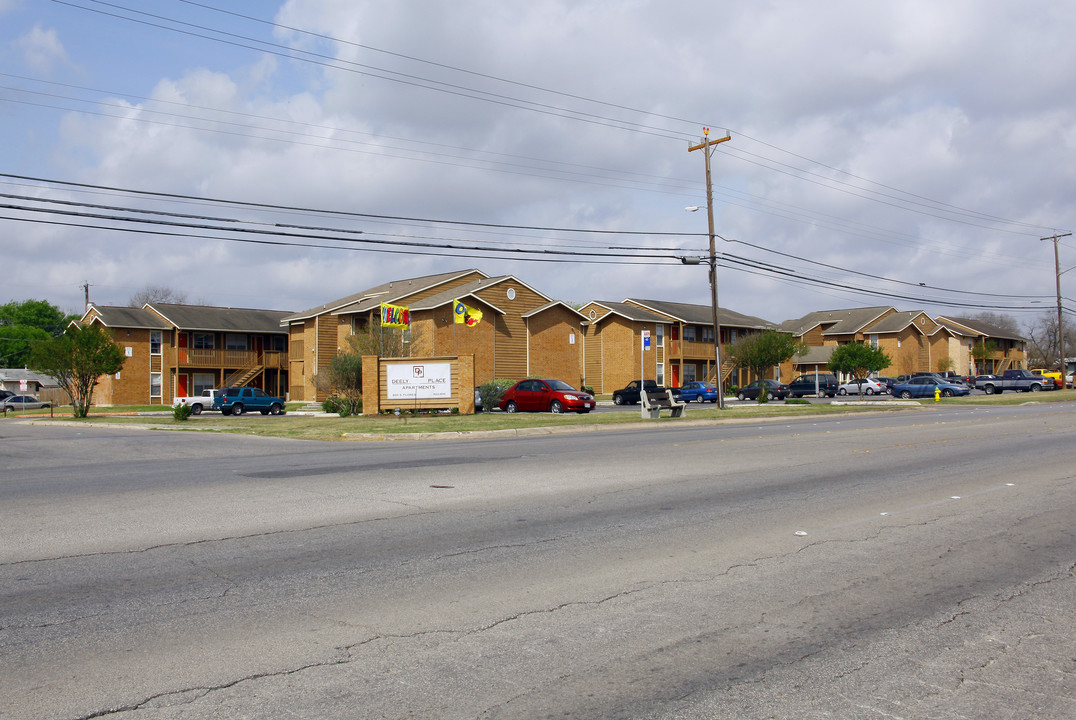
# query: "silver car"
24, 402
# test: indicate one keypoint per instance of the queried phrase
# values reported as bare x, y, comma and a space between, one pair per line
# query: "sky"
281, 155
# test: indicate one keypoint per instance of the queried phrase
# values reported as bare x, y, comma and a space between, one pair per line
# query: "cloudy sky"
284, 154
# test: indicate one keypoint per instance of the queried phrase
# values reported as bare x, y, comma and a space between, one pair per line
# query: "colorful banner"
466, 315
395, 316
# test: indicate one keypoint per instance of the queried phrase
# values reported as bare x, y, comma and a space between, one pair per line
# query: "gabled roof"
703, 314
896, 322
461, 293
220, 319
628, 312
386, 292
976, 328
842, 322
115, 316
816, 355
11, 375
553, 304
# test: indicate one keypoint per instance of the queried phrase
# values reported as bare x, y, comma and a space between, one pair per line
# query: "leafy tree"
38, 314
758, 351
344, 377
858, 360
15, 344
77, 359
982, 352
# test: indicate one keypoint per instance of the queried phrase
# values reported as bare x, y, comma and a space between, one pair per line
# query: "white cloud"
42, 50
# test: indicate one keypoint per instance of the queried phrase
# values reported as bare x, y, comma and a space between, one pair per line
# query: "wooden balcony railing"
199, 358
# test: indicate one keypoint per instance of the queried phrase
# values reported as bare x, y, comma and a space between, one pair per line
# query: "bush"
492, 391
182, 411
797, 401
342, 406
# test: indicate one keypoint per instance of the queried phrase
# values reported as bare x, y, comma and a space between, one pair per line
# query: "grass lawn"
360, 427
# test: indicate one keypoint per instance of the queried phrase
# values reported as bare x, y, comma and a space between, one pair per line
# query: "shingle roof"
845, 322
630, 312
127, 317
221, 319
977, 327
893, 323
386, 292
703, 314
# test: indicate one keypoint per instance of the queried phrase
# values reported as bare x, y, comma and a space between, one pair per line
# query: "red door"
183, 352
181, 385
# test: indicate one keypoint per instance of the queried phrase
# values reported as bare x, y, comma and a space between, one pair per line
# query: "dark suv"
805, 385
237, 400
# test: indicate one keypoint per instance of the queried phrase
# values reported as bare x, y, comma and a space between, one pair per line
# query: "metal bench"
664, 400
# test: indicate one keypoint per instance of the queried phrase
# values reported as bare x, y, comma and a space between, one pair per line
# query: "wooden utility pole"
705, 145
1060, 326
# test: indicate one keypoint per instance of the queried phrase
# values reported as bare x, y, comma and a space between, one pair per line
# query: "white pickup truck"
198, 403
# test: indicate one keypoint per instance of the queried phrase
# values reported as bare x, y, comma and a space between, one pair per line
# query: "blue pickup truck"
238, 400
1019, 380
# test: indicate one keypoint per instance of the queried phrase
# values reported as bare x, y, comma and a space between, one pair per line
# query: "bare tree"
999, 320
1042, 340
157, 294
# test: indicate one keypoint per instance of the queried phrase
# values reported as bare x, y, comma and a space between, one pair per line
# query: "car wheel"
1036, 388
555, 407
842, 391
618, 399
870, 391
196, 409
237, 409
700, 399
276, 409
989, 390
906, 395
740, 396
947, 392
511, 407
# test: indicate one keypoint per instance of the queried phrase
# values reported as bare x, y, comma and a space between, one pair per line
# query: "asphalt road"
904, 565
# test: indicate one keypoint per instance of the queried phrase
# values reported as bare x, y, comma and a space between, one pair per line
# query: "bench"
661, 401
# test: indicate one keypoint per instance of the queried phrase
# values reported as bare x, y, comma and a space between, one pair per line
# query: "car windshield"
560, 385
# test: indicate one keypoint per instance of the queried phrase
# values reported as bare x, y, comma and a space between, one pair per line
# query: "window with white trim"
155, 340
155, 384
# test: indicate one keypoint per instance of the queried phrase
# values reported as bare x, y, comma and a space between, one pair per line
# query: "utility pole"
86, 292
705, 145
1060, 326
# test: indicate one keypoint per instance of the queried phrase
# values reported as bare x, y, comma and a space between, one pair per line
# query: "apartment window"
689, 333
874, 341
155, 385
202, 341
659, 335
689, 372
155, 342
202, 381
661, 374
708, 335
235, 342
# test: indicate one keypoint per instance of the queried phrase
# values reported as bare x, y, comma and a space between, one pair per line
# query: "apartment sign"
419, 381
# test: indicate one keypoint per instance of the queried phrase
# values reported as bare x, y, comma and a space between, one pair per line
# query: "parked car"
539, 395
775, 389
5, 394
946, 375
887, 381
806, 385
198, 403
477, 401
862, 386
924, 385
24, 402
238, 400
698, 391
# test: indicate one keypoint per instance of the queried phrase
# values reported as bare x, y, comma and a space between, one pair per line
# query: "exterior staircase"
243, 376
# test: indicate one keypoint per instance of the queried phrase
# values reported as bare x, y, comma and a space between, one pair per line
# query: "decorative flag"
466, 315
395, 316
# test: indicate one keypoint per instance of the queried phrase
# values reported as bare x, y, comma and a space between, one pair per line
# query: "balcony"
199, 358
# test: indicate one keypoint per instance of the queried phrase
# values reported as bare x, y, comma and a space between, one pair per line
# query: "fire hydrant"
937, 393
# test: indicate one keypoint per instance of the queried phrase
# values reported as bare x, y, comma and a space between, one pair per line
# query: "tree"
15, 344
345, 378
1042, 340
858, 360
758, 351
38, 314
77, 359
157, 294
982, 352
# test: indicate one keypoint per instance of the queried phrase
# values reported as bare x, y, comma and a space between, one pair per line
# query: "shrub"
797, 401
182, 411
492, 391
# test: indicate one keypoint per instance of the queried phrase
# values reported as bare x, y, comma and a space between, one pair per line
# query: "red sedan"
556, 396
